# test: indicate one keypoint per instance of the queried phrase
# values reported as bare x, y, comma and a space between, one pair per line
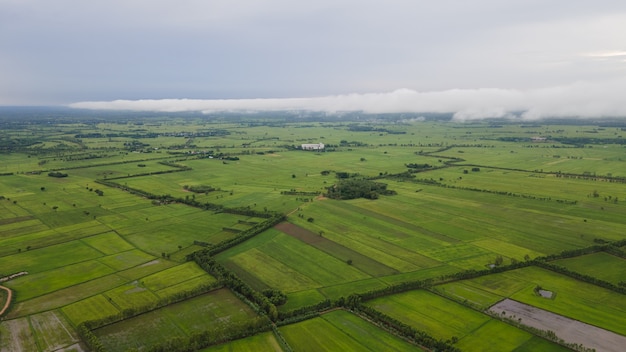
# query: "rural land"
130, 231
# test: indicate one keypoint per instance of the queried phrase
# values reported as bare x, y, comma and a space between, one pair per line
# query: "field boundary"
9, 297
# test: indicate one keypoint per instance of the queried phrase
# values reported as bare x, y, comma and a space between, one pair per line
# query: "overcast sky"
475, 57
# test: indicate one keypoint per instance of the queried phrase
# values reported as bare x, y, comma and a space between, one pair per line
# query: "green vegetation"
341, 331
165, 233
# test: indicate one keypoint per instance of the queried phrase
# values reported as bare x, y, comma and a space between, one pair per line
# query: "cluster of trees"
418, 166
199, 188
277, 297
357, 188
57, 174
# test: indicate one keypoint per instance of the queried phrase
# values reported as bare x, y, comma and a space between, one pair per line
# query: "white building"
317, 146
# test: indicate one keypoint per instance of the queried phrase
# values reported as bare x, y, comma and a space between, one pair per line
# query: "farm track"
8, 302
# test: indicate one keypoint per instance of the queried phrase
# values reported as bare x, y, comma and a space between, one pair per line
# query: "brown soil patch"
570, 330
300, 233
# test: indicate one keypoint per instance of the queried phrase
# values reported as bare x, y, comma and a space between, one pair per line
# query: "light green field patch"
92, 308
125, 260
145, 269
131, 296
539, 344
341, 331
601, 265
506, 249
188, 285
265, 341
367, 334
482, 339
216, 310
108, 243
52, 331
420, 274
431, 313
301, 299
473, 295
42, 259
34, 285
456, 252
66, 296
307, 260
336, 291
172, 276
272, 272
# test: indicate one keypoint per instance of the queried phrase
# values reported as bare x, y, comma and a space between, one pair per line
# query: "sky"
474, 58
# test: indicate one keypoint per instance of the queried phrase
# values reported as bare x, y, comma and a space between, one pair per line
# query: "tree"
499, 260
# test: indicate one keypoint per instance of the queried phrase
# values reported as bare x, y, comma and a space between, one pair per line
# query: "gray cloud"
582, 99
56, 52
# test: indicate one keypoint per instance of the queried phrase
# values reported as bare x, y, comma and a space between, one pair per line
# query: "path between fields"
9, 296
570, 330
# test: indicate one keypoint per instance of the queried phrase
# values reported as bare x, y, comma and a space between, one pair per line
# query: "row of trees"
260, 302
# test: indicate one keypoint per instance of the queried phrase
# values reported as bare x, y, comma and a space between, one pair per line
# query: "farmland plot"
572, 331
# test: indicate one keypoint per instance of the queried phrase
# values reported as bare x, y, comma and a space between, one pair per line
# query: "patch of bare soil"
300, 233
570, 330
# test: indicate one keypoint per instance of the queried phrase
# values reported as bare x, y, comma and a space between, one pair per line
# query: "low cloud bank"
583, 99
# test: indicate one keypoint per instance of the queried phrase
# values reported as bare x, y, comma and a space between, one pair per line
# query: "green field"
476, 194
212, 311
601, 265
260, 342
445, 319
341, 331
575, 299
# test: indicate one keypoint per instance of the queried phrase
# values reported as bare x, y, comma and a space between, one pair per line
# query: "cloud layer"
582, 99
62, 51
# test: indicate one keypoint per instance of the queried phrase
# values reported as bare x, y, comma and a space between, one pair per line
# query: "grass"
575, 299
259, 342
131, 296
601, 265
173, 276
283, 262
47, 258
108, 243
445, 319
85, 248
426, 311
128, 259
92, 308
473, 295
214, 310
341, 331
30, 286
